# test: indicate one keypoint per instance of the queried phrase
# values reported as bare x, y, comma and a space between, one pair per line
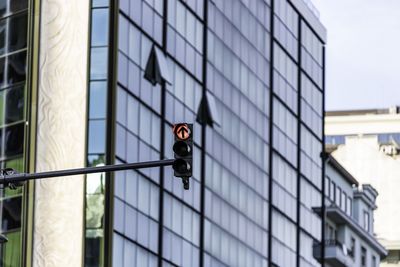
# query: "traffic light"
183, 152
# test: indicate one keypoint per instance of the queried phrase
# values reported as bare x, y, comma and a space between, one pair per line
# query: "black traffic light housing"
183, 152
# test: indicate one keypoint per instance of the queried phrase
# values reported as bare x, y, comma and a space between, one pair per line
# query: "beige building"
366, 143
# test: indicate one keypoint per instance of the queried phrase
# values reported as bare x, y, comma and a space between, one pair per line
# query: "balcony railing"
333, 242
336, 253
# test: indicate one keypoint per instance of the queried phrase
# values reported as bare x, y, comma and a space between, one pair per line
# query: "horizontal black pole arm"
20, 177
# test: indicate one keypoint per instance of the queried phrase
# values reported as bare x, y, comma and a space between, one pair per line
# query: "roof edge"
311, 18
338, 167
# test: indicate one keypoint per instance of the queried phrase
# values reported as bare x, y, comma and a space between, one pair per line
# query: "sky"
363, 53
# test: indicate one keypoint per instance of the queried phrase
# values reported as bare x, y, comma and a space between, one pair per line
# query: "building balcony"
339, 217
336, 254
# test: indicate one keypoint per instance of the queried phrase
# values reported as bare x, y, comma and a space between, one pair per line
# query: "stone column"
61, 132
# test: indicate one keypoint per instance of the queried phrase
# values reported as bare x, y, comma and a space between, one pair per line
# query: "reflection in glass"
18, 5
100, 26
135, 10
3, 27
100, 3
98, 94
95, 184
98, 63
2, 93
14, 140
11, 252
95, 199
16, 68
2, 71
14, 110
94, 250
94, 242
3, 8
11, 214
97, 139
17, 32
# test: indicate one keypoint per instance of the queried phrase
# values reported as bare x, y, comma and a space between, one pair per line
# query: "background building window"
352, 248
363, 257
349, 207
333, 190
337, 197
366, 220
327, 187
343, 201
330, 232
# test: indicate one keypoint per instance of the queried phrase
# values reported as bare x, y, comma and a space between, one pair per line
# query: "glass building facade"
256, 177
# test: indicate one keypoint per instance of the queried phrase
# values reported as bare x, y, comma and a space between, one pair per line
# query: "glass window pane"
14, 110
134, 44
18, 5
2, 71
119, 215
100, 27
132, 148
100, 3
123, 34
98, 96
135, 11
130, 222
120, 142
123, 69
16, 68
17, 32
11, 214
142, 258
14, 140
133, 115
12, 249
2, 94
148, 19
121, 106
97, 131
3, 8
129, 254
3, 29
124, 6
118, 250
98, 62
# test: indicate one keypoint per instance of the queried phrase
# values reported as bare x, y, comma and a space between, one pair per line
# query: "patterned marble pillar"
59, 202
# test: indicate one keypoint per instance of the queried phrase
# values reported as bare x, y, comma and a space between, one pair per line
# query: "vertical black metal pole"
271, 124
110, 121
203, 137
162, 141
323, 162
298, 140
